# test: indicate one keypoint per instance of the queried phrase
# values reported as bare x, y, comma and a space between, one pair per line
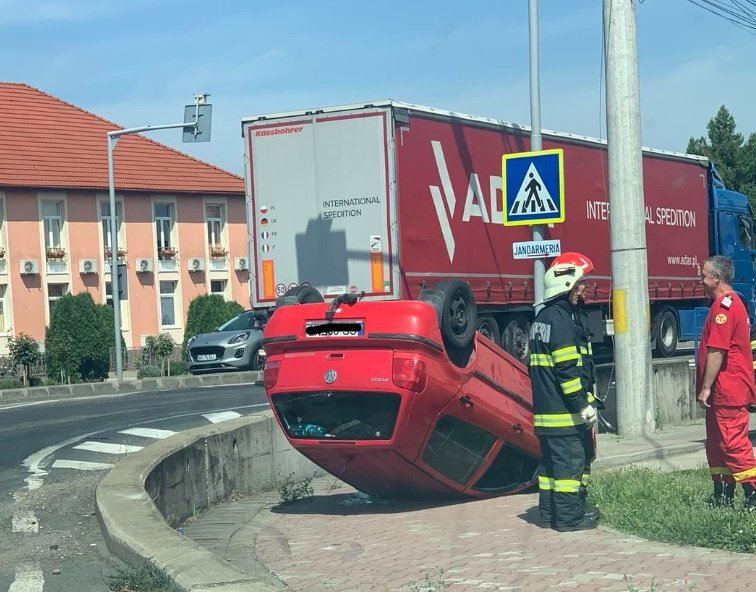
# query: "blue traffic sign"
532, 185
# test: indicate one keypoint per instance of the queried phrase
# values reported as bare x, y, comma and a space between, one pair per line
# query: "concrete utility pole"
632, 351
539, 269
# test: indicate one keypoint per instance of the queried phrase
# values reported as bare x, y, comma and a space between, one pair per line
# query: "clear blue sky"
137, 62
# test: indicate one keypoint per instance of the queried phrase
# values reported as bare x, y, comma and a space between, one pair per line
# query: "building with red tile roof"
181, 221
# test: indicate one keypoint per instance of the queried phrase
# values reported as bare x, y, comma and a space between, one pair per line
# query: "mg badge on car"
330, 376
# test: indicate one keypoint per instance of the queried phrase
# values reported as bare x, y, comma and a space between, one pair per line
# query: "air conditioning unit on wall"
87, 265
195, 264
29, 267
143, 265
241, 264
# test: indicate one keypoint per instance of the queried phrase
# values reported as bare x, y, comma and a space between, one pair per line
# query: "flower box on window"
218, 252
167, 252
55, 252
109, 253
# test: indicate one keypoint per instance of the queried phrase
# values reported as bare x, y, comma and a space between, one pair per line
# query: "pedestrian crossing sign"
532, 186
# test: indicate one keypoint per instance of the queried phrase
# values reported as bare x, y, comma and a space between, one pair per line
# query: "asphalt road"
53, 455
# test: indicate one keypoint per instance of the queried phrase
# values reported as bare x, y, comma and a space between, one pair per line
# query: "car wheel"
458, 314
256, 361
490, 328
515, 337
666, 331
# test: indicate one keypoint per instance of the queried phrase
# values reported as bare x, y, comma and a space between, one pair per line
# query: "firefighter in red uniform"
561, 375
725, 386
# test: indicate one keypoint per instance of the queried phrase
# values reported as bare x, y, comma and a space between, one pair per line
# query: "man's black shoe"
592, 512
585, 524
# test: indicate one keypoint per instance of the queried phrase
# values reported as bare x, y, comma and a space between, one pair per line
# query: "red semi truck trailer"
390, 198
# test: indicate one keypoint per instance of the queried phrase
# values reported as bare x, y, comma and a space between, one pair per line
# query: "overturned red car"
401, 399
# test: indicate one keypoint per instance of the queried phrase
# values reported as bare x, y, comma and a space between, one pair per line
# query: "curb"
94, 389
628, 458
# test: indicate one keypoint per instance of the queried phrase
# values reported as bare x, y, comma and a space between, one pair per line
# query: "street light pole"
199, 120
539, 269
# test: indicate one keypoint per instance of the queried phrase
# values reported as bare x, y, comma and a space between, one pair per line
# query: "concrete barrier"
171, 480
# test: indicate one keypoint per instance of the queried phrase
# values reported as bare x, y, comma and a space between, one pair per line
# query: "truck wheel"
458, 314
666, 331
490, 328
515, 337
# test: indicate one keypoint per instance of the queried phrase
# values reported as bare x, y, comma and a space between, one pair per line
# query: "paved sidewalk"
344, 541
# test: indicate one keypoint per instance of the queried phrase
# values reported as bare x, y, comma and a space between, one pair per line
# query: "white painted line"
221, 416
81, 465
148, 433
107, 447
29, 578
24, 521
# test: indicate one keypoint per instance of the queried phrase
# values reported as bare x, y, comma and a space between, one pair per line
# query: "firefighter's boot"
750, 497
723, 496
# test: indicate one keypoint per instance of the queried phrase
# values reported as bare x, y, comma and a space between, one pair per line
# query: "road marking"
81, 465
24, 521
221, 416
107, 447
148, 433
29, 578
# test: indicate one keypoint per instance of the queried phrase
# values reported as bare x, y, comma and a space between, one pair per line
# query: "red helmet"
564, 272
574, 258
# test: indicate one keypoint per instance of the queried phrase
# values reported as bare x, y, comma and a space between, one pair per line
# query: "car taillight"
409, 373
270, 374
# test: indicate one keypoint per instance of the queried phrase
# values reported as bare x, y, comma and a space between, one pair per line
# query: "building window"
107, 241
3, 324
164, 225
214, 216
168, 304
54, 293
52, 216
218, 287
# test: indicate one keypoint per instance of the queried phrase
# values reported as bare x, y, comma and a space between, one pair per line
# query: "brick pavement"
337, 542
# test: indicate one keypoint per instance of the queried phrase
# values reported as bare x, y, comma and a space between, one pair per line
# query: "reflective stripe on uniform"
571, 386
545, 483
567, 354
541, 360
557, 420
747, 474
566, 485
585, 480
590, 397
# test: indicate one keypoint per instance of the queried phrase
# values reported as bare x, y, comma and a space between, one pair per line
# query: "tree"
79, 339
24, 351
158, 348
206, 313
735, 161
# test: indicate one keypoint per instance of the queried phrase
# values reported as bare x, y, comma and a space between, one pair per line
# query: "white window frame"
4, 310
3, 243
168, 296
211, 221
51, 299
225, 287
107, 242
48, 220
164, 239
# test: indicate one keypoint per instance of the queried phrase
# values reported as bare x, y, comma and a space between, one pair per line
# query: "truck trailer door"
322, 204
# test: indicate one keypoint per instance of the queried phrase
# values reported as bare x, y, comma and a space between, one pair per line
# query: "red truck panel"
460, 164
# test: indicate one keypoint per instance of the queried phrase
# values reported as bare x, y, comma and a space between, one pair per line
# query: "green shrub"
10, 382
206, 313
79, 339
24, 351
174, 368
149, 371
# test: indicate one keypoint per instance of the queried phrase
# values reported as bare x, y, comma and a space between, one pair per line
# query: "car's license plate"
205, 357
341, 328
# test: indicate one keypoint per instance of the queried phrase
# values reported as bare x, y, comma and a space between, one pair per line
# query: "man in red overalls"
725, 386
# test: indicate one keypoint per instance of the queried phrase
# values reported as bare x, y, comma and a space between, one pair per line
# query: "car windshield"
242, 322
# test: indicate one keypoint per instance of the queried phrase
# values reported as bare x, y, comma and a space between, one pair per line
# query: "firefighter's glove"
589, 415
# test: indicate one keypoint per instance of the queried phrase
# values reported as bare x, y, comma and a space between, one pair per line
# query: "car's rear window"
338, 415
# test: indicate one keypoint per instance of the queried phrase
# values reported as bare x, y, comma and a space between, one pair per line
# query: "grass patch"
147, 578
671, 507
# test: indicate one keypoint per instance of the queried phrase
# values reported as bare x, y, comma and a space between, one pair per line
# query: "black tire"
490, 328
458, 314
666, 331
300, 295
256, 361
515, 337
